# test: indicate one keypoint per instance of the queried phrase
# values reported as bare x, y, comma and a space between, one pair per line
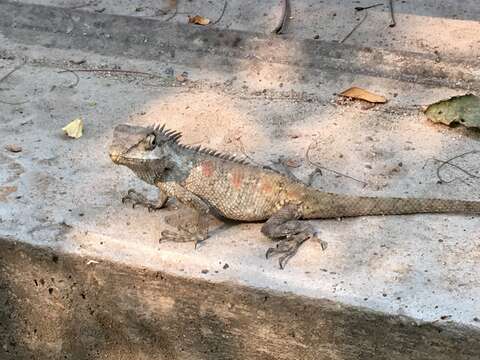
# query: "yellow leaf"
362, 94
74, 129
199, 20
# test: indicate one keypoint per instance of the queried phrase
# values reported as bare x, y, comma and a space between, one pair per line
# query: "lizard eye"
150, 142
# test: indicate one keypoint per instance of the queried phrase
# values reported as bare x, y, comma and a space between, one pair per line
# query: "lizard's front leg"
197, 229
138, 199
290, 233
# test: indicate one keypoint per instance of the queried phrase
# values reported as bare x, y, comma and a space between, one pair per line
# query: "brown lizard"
214, 183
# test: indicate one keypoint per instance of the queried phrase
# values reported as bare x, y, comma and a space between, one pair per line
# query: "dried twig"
449, 162
282, 24
14, 103
244, 153
392, 17
361, 8
286, 169
221, 15
453, 165
174, 13
90, 3
355, 27
320, 167
312, 175
118, 71
76, 77
4, 77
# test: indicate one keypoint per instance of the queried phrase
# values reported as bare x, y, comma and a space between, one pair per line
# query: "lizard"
211, 182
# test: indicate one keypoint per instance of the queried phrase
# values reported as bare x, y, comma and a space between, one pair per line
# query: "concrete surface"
440, 28
62, 307
260, 95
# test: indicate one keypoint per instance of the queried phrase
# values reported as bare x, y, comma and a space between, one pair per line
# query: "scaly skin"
208, 181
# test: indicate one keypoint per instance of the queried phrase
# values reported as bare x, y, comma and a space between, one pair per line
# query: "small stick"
244, 153
392, 22
221, 15
312, 175
120, 71
281, 26
4, 77
318, 166
76, 77
455, 166
14, 103
286, 169
354, 28
93, 2
361, 8
449, 162
174, 13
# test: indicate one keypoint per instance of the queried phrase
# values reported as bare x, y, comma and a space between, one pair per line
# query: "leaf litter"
362, 94
74, 129
463, 109
198, 20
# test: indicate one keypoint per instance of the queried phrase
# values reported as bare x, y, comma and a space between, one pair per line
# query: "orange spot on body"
236, 179
207, 168
266, 186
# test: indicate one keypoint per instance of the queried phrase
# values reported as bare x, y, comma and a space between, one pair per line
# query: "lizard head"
141, 148
131, 144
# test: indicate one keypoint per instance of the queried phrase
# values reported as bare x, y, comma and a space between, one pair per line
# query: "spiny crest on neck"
166, 134
174, 136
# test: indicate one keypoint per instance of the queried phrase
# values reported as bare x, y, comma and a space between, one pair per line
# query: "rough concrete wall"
139, 38
55, 306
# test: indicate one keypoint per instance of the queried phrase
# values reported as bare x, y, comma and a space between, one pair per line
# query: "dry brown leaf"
362, 94
5, 191
13, 148
74, 129
199, 20
181, 78
292, 163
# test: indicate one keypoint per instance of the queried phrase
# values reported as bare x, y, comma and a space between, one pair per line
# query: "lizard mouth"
118, 159
122, 160
115, 158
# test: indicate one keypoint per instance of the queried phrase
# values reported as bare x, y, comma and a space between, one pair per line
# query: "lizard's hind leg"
290, 233
195, 230
189, 229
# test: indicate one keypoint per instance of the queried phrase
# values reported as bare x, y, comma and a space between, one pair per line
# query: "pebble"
13, 148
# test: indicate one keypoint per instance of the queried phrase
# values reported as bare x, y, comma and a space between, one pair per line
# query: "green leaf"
464, 109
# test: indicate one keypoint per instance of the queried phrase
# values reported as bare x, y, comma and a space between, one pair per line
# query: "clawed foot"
138, 199
289, 247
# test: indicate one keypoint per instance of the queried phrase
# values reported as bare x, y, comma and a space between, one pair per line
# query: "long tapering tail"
330, 205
